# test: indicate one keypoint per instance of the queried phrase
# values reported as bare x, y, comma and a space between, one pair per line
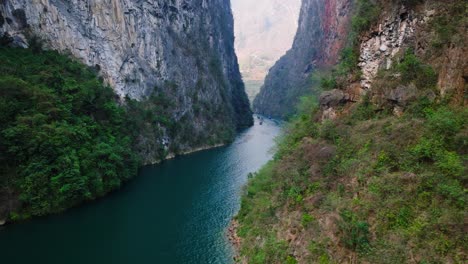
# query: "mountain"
264, 31
182, 50
175, 88
320, 36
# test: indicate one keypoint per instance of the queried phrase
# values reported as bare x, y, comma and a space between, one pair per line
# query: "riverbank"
173, 155
235, 240
156, 216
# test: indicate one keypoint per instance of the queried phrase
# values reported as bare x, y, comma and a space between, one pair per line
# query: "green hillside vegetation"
370, 186
392, 188
64, 138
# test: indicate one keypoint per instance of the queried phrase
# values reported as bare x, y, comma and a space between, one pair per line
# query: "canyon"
317, 45
264, 31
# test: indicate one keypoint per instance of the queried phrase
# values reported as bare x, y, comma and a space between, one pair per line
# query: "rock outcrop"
180, 49
400, 29
319, 39
383, 43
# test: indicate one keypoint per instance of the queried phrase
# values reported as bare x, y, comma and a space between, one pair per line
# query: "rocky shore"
235, 240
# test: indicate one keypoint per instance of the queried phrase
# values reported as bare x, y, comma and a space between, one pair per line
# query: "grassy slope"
369, 187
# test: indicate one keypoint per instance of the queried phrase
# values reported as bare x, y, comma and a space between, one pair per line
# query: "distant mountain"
264, 31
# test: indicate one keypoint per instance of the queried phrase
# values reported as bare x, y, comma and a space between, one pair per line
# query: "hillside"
373, 171
90, 90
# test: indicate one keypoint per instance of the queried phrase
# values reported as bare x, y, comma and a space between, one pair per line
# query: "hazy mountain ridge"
264, 31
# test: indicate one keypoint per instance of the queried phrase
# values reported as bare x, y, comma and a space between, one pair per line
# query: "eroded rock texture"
180, 49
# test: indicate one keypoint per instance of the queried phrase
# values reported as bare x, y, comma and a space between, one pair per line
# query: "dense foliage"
63, 137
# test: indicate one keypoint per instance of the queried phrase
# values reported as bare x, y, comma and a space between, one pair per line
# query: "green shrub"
450, 163
454, 191
328, 131
445, 123
402, 218
328, 83
365, 110
291, 260
368, 12
307, 219
449, 27
413, 70
355, 233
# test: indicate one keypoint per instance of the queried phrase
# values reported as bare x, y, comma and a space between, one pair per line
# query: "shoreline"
173, 155
235, 240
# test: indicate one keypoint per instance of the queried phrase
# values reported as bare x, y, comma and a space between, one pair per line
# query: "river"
174, 212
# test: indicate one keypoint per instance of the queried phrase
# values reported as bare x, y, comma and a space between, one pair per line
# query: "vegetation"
370, 186
446, 27
385, 188
63, 137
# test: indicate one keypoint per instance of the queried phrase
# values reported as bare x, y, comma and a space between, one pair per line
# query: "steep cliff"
180, 50
320, 36
376, 173
134, 82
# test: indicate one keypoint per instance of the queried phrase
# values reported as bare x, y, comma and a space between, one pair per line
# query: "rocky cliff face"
181, 50
320, 36
399, 29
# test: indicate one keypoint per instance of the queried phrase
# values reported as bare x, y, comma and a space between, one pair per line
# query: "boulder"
402, 95
332, 98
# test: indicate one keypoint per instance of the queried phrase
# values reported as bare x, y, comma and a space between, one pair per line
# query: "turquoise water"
174, 212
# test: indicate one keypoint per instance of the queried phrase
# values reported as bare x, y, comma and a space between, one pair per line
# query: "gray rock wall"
182, 49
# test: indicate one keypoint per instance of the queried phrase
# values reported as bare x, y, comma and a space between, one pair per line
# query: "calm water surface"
175, 212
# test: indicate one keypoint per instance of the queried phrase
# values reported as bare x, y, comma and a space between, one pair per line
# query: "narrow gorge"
321, 34
127, 134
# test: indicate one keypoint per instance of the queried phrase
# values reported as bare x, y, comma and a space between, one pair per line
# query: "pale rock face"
183, 49
379, 50
130, 40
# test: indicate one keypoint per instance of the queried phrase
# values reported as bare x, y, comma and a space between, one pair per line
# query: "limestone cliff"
400, 28
181, 50
320, 36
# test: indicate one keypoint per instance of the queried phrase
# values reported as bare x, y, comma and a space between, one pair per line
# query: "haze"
264, 31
